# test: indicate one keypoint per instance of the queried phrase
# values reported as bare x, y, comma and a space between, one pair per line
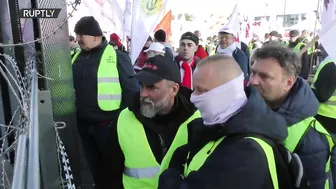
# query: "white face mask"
221, 103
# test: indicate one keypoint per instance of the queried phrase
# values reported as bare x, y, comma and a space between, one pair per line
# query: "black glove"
179, 158
170, 179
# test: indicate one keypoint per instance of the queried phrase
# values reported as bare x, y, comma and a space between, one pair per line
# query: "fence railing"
37, 164
33, 178
27, 152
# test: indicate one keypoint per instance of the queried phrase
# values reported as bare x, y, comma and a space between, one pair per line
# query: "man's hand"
170, 179
179, 158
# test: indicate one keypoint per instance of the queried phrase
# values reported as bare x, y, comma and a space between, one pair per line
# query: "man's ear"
290, 81
175, 88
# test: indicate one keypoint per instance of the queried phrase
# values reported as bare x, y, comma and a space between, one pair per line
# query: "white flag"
328, 27
233, 25
108, 13
145, 16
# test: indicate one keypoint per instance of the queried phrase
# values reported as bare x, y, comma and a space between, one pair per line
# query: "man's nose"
144, 92
253, 80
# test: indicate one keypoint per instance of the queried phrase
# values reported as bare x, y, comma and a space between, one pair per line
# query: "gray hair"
287, 59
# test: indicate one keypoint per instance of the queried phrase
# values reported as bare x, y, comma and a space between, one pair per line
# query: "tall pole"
314, 34
317, 16
285, 4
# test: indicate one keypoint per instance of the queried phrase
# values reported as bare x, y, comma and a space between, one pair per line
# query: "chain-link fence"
38, 135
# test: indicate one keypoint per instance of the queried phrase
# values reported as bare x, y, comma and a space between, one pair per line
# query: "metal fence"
38, 135
40, 157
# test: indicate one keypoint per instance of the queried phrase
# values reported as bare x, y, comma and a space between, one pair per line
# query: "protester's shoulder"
168, 49
198, 60
122, 57
240, 54
243, 149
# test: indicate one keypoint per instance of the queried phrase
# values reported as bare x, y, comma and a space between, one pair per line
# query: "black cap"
160, 35
274, 33
158, 68
71, 38
191, 36
294, 33
87, 25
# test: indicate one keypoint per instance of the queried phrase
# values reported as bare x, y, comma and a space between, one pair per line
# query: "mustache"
146, 100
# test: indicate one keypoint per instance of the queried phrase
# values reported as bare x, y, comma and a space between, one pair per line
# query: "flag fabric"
108, 13
233, 25
165, 24
145, 16
328, 27
127, 20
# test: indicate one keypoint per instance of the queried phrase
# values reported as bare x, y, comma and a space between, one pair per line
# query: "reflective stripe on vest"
108, 86
141, 168
201, 156
297, 132
181, 138
328, 108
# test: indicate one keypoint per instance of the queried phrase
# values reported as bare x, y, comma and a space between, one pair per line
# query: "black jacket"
325, 86
305, 61
241, 164
85, 70
164, 127
169, 54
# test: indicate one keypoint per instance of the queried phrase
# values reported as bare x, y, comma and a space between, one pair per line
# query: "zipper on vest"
163, 146
88, 56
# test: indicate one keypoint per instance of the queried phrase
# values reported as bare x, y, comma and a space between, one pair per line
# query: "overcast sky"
251, 7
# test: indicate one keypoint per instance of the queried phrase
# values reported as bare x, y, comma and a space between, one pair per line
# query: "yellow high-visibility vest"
201, 156
327, 109
297, 132
141, 168
108, 85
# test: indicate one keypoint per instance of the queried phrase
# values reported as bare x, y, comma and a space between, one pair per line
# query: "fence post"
48, 150
19, 179
33, 178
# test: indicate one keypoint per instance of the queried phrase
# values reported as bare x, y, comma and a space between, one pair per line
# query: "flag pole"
285, 5
314, 34
317, 16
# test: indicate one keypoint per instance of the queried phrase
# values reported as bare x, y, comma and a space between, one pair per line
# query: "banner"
165, 24
145, 16
108, 13
328, 27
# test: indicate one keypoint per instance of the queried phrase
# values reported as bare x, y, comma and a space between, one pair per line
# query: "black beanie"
87, 25
160, 35
191, 36
294, 33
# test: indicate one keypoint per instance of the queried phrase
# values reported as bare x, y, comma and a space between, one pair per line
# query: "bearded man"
144, 139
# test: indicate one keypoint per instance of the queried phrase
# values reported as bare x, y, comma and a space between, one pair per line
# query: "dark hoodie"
313, 149
241, 164
160, 132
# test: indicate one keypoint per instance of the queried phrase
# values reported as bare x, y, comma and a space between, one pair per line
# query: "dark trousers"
94, 141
